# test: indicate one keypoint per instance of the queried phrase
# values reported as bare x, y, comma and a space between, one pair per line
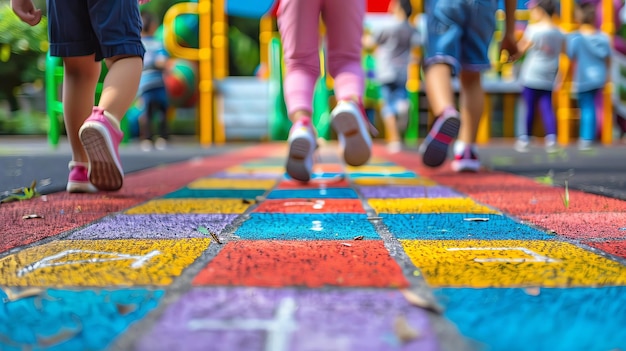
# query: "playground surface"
222, 252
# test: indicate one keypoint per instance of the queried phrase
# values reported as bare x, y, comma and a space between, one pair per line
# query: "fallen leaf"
125, 309
346, 244
29, 292
374, 218
404, 331
31, 216
476, 219
533, 291
359, 237
246, 201
416, 300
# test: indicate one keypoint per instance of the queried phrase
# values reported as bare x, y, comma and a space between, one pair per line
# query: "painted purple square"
405, 192
154, 226
253, 174
288, 319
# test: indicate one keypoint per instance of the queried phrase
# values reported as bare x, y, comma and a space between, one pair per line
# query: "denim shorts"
395, 99
105, 28
459, 33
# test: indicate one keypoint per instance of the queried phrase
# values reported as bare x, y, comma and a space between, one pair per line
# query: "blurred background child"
589, 50
152, 90
394, 43
542, 43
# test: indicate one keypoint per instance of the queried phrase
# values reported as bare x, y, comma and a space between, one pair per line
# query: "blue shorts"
105, 28
459, 33
395, 99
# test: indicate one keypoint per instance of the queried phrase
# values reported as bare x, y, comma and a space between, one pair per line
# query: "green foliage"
244, 53
22, 53
19, 37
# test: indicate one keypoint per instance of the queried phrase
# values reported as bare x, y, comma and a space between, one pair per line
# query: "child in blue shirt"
152, 86
589, 50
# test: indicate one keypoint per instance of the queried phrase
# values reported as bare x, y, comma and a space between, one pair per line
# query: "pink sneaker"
78, 181
101, 141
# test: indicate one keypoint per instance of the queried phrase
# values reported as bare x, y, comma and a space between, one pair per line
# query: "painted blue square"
406, 174
573, 319
281, 226
96, 317
453, 226
187, 193
322, 175
325, 193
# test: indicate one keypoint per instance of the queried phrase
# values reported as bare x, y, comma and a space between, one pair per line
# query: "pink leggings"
298, 22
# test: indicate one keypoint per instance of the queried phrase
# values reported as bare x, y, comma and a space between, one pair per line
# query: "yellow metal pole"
608, 27
206, 110
219, 42
266, 30
484, 126
563, 112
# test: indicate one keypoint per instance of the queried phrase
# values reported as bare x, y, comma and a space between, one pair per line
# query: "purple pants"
542, 99
299, 26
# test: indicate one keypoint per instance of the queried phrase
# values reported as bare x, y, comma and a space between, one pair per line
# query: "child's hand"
26, 11
509, 44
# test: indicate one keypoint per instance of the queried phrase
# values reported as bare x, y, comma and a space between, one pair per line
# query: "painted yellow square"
101, 262
221, 183
511, 263
429, 205
194, 206
379, 181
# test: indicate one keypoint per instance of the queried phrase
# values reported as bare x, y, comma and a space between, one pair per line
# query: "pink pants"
298, 22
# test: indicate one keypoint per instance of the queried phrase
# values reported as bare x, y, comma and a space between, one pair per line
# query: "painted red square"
614, 247
364, 263
311, 206
583, 226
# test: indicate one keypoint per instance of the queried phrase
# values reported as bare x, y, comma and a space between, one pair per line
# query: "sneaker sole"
105, 172
80, 187
357, 149
467, 166
436, 152
299, 150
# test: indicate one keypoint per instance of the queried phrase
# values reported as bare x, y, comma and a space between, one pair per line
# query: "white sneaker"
146, 145
301, 147
350, 125
585, 145
466, 161
160, 144
551, 147
394, 147
521, 145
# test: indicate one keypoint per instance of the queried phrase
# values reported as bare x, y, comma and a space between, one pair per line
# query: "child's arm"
566, 66
26, 11
508, 40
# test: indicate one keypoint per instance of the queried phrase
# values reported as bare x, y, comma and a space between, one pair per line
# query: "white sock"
112, 119
459, 147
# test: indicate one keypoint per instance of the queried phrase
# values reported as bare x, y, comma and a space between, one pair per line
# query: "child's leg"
587, 115
80, 76
298, 24
530, 97
547, 112
439, 89
472, 104
344, 24
120, 84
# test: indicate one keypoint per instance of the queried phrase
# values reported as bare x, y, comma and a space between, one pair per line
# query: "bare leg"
79, 88
439, 87
121, 84
472, 105
391, 129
